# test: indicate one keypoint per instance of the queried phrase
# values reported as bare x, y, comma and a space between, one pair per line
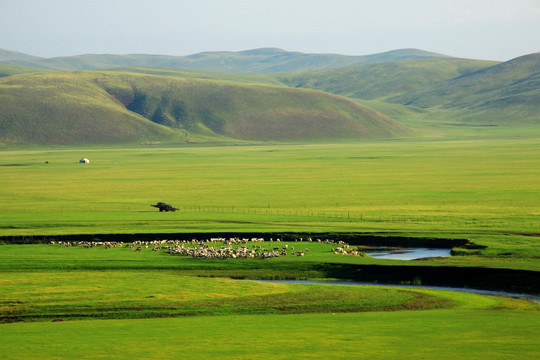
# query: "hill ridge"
261, 60
512, 87
110, 107
380, 80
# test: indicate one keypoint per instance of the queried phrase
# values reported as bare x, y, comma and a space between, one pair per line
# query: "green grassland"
80, 295
453, 170
119, 303
466, 334
455, 181
469, 188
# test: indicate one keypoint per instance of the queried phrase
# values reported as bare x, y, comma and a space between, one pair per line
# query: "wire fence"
527, 223
355, 216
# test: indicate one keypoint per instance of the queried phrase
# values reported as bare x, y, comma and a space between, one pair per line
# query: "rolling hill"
91, 107
508, 92
385, 79
252, 78
9, 70
266, 60
422, 90
61, 108
14, 57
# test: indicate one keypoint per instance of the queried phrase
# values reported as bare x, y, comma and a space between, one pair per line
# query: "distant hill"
8, 56
9, 70
381, 80
93, 107
508, 92
253, 78
370, 81
423, 90
266, 60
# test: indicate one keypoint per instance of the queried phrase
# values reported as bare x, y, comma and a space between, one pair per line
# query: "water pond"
405, 253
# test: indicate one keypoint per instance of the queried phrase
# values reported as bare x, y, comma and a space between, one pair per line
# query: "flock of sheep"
218, 248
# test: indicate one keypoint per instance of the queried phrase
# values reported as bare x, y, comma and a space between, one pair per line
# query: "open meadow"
449, 185
168, 191
64, 302
266, 203
119, 303
485, 189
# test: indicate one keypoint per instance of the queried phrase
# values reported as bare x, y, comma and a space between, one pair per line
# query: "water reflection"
405, 253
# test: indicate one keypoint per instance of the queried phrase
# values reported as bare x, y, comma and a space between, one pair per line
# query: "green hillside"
427, 92
66, 108
266, 60
108, 107
508, 92
384, 79
9, 70
254, 78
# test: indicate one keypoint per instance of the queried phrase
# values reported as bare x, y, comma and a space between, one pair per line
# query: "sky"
476, 29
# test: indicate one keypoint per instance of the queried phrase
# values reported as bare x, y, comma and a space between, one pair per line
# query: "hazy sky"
481, 29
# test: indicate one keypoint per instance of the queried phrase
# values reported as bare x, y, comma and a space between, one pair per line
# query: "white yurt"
84, 161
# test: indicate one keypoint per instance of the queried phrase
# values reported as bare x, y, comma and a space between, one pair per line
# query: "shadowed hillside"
62, 108
108, 107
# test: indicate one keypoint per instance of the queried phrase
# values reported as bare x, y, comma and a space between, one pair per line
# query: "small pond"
405, 253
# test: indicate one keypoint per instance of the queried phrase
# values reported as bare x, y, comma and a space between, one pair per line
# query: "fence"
353, 216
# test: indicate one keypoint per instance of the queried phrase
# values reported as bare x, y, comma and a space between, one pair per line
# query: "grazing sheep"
232, 248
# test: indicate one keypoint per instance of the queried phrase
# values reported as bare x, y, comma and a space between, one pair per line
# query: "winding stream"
529, 297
